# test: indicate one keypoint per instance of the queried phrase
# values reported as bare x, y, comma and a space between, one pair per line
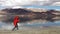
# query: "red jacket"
16, 20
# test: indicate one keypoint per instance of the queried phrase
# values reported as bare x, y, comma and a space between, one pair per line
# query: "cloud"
16, 7
13, 3
56, 4
22, 2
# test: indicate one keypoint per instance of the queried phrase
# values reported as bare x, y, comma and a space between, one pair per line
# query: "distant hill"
17, 11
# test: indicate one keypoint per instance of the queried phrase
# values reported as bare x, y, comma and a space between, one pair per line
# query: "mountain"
17, 11
29, 14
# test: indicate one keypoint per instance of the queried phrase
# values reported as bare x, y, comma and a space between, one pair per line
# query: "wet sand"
43, 30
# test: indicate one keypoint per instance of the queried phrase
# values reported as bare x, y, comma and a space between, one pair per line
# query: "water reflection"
55, 21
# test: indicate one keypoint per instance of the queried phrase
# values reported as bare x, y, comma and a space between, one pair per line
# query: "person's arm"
18, 20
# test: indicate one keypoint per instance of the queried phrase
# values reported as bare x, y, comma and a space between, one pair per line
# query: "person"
15, 22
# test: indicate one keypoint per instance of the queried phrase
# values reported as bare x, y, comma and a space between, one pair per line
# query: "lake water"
35, 24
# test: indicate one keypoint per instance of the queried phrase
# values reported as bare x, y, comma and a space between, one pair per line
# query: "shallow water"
36, 24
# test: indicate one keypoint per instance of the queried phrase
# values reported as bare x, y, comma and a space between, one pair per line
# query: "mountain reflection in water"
33, 23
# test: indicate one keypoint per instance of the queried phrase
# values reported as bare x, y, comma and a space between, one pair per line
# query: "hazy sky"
21, 3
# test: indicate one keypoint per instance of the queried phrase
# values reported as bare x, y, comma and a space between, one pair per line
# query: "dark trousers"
15, 27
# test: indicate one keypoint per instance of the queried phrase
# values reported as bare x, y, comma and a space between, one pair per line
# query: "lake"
33, 24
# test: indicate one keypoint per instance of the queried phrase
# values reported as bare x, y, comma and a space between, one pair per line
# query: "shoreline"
41, 31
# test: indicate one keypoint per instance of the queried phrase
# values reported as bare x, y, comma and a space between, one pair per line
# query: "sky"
49, 4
